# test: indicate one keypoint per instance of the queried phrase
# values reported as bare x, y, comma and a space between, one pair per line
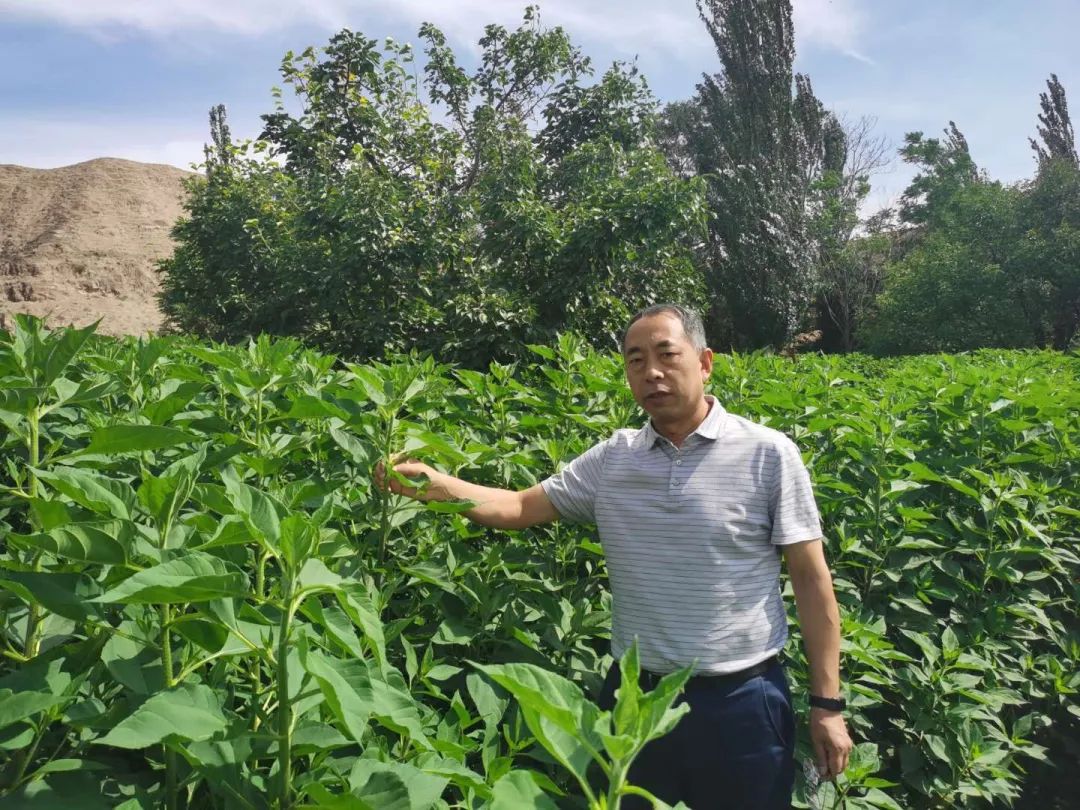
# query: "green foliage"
469, 212
946, 294
1055, 126
946, 168
992, 265
760, 147
229, 615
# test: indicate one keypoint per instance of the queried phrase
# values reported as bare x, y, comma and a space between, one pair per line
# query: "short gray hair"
690, 320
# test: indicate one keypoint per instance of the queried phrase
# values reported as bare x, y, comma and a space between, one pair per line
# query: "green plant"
226, 614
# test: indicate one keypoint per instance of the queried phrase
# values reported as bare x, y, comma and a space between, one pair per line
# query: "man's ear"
706, 363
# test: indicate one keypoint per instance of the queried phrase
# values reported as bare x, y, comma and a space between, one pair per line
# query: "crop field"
205, 603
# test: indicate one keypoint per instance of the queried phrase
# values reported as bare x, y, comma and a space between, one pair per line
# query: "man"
694, 511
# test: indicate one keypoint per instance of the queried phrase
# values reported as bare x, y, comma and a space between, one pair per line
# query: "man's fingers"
835, 762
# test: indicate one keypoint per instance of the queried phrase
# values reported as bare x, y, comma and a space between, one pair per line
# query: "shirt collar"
710, 427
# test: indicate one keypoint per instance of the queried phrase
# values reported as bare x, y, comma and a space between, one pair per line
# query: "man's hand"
832, 745
497, 508
430, 489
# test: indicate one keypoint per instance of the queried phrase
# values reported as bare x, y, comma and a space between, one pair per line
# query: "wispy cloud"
625, 26
832, 25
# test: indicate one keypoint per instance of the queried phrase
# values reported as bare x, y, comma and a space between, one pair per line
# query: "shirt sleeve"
792, 506
572, 490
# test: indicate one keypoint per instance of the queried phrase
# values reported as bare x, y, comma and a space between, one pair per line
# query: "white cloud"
830, 24
626, 26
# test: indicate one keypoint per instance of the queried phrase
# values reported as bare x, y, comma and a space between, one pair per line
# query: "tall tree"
1053, 216
761, 138
1055, 127
849, 269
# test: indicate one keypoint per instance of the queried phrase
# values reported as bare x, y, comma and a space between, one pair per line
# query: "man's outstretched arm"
497, 508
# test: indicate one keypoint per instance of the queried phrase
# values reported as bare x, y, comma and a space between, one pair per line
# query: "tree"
992, 265
461, 212
1053, 216
849, 270
946, 168
761, 138
961, 287
1055, 130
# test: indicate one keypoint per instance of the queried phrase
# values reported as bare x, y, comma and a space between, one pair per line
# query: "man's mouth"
656, 396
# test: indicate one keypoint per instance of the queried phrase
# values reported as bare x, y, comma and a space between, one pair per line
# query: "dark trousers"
734, 750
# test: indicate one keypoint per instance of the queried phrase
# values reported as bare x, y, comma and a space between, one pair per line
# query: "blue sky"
135, 78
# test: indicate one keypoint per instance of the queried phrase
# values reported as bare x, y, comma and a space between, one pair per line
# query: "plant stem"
384, 519
167, 669
32, 641
615, 785
255, 675
284, 704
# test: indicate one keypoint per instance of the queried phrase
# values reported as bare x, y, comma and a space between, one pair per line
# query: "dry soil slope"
80, 243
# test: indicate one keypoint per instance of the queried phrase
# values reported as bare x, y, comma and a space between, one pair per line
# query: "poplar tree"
762, 139
1055, 127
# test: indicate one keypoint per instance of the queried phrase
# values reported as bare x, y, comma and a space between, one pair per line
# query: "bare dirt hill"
81, 242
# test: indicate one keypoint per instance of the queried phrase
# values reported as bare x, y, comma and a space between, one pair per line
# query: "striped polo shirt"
691, 537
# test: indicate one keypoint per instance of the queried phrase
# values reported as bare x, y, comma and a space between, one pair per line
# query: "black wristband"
830, 704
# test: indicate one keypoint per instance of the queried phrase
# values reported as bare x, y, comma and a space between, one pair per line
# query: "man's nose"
653, 372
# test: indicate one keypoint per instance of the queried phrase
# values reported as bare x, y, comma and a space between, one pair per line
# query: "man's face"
666, 373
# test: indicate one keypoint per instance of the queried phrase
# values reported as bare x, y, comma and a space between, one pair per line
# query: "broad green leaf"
66, 595
231, 530
187, 712
104, 542
423, 789
488, 703
298, 537
346, 685
306, 406
359, 452
453, 770
65, 790
22, 400
385, 791
136, 666
325, 800
357, 605
395, 708
16, 706
316, 738
208, 635
61, 347
656, 716
195, 577
556, 711
261, 512
629, 693
118, 439
929, 649
337, 626
517, 791
17, 736
97, 492
315, 575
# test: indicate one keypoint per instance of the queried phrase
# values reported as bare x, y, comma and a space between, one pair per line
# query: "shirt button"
678, 461
675, 483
